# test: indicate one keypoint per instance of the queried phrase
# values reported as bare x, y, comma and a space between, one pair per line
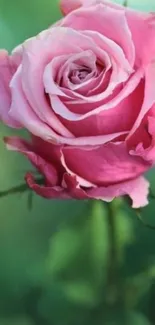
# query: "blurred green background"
55, 259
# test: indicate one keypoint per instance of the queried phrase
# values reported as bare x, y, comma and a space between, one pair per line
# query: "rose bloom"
85, 91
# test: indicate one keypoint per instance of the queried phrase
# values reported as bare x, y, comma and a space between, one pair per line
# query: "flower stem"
21, 188
112, 276
16, 189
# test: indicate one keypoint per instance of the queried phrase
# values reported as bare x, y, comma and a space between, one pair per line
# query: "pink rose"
85, 90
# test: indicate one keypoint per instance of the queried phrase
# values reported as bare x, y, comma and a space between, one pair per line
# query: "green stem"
18, 189
112, 277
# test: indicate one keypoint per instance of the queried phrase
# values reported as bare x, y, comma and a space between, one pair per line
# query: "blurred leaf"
81, 245
64, 246
123, 317
56, 309
81, 293
16, 321
137, 288
137, 319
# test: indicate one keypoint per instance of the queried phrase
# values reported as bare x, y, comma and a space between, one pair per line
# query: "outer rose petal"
67, 6
105, 165
147, 152
16, 55
139, 24
7, 69
71, 190
149, 96
47, 192
44, 167
50, 189
137, 189
26, 116
96, 18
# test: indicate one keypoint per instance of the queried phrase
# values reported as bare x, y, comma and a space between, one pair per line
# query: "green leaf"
56, 309
137, 288
137, 319
64, 246
16, 321
81, 293
119, 316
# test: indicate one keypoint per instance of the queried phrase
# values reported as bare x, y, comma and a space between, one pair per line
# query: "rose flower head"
85, 91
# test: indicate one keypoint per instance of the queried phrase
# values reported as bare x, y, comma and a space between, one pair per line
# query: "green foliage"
16, 321
54, 261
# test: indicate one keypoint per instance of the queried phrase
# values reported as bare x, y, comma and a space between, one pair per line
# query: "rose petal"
16, 56
96, 18
50, 189
6, 72
147, 152
80, 180
137, 189
44, 167
108, 121
121, 69
27, 117
59, 107
67, 6
104, 165
149, 96
139, 23
58, 69
33, 66
48, 192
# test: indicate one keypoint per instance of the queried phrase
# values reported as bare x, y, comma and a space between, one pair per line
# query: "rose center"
83, 73
79, 75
